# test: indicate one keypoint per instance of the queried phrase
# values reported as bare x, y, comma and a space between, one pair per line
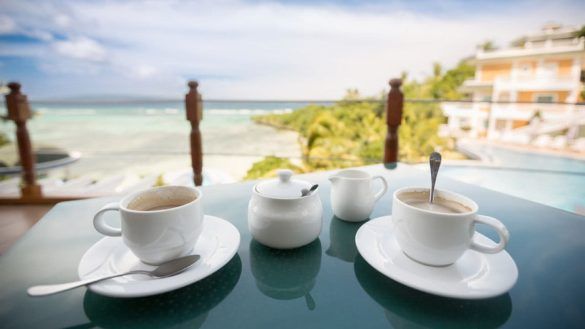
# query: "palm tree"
488, 45
581, 32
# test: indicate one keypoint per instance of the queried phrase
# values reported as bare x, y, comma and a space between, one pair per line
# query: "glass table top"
325, 284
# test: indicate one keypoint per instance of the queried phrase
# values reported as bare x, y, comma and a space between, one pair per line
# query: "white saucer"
217, 244
473, 276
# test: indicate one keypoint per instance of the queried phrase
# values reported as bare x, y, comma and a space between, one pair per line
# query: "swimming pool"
552, 180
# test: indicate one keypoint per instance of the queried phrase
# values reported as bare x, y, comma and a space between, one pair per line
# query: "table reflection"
342, 236
187, 306
409, 308
286, 274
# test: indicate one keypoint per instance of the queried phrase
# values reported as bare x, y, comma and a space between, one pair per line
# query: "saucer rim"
436, 290
96, 288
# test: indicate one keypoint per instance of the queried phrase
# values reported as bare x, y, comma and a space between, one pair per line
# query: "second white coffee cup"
438, 238
157, 224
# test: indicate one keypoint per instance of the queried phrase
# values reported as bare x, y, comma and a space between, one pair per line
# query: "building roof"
553, 39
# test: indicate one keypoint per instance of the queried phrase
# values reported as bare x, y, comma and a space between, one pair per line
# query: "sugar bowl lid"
283, 187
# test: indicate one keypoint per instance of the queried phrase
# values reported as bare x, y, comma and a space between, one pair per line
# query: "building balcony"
532, 83
509, 111
545, 49
536, 82
472, 85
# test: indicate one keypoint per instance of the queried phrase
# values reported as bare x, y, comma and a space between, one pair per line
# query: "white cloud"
268, 50
6, 24
62, 20
81, 48
145, 71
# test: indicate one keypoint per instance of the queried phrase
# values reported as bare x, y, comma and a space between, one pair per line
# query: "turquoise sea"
63, 124
146, 116
147, 138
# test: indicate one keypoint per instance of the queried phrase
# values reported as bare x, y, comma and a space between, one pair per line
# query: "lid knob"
284, 175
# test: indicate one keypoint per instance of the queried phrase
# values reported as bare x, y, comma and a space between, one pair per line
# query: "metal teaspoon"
305, 192
435, 162
167, 269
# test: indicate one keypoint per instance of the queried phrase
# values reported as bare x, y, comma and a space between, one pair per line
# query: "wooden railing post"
194, 109
393, 119
19, 112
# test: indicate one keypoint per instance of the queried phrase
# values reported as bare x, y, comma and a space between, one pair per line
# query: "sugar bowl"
280, 216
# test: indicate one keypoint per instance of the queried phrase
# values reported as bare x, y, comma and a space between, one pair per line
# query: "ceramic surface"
285, 223
217, 244
282, 187
473, 276
156, 236
352, 196
439, 239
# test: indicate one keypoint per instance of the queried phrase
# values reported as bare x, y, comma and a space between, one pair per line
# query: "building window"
545, 98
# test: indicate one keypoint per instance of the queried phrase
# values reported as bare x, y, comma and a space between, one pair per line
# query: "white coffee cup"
352, 197
438, 238
155, 234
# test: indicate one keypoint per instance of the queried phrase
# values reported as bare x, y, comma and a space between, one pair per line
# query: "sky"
250, 49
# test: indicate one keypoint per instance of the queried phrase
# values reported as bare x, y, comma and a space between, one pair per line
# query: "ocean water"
138, 136
56, 122
548, 179
152, 137
166, 115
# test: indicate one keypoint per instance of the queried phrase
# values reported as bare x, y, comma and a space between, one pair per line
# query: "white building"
547, 67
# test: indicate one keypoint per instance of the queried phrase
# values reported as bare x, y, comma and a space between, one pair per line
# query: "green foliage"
4, 139
488, 45
518, 42
440, 85
352, 132
445, 86
418, 134
581, 32
267, 167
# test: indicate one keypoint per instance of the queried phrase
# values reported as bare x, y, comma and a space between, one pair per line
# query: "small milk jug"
352, 198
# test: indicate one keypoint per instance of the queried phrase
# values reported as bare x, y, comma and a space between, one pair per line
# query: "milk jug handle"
381, 192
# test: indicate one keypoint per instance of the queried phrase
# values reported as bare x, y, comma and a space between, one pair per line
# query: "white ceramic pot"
352, 198
279, 217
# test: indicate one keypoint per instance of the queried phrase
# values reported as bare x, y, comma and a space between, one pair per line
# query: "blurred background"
496, 87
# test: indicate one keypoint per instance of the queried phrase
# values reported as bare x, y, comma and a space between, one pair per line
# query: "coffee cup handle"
381, 192
100, 224
496, 225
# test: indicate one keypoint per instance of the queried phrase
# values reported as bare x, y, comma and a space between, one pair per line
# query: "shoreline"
141, 152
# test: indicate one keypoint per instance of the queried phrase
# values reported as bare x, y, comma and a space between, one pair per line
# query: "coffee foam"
420, 199
165, 197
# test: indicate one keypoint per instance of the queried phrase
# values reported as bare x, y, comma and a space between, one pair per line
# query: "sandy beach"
232, 151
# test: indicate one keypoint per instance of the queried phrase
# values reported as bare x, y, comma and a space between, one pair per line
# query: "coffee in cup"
438, 234
420, 200
158, 224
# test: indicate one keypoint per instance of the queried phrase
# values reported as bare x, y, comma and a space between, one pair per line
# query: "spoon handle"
435, 163
50, 289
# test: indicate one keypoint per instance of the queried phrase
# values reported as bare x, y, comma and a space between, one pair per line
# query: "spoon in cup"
305, 192
435, 163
